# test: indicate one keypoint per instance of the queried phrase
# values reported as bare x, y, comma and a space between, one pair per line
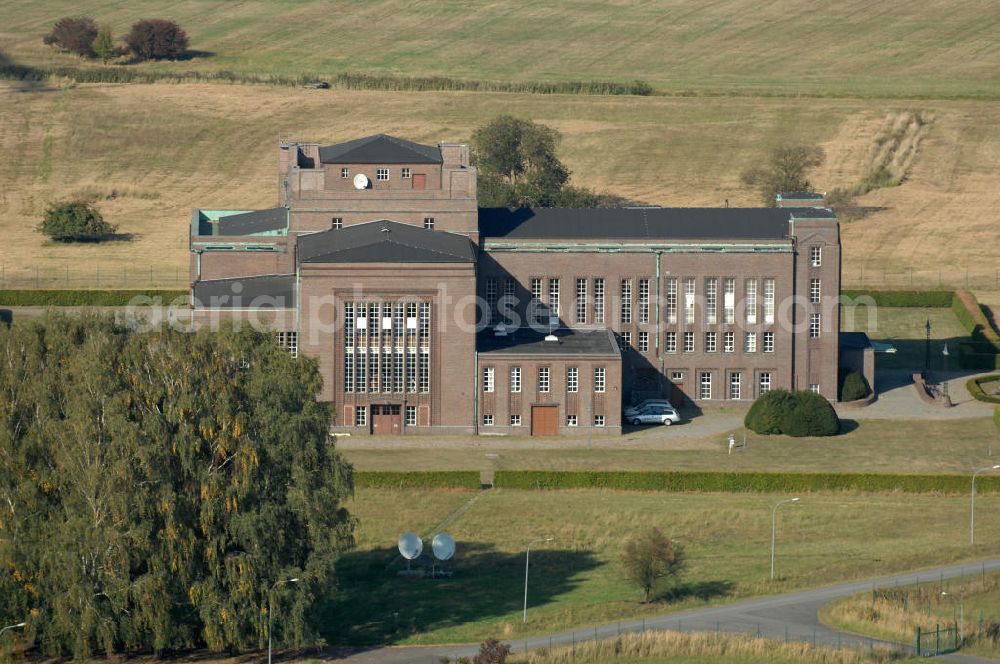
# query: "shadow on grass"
373, 605
847, 426
703, 590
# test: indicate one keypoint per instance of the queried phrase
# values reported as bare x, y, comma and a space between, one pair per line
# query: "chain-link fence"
125, 277
942, 278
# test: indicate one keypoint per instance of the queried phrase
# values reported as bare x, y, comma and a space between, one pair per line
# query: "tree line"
160, 490
149, 39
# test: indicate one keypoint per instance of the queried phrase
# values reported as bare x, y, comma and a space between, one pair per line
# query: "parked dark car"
317, 85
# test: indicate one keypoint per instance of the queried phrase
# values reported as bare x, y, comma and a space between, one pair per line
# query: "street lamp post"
270, 613
774, 524
972, 511
527, 556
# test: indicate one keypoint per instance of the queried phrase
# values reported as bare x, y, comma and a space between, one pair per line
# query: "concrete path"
897, 399
792, 616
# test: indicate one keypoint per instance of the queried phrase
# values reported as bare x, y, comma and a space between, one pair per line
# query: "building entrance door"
387, 420
419, 181
544, 420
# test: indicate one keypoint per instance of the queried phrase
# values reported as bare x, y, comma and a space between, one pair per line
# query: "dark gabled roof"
648, 223
266, 291
385, 242
380, 149
258, 221
525, 341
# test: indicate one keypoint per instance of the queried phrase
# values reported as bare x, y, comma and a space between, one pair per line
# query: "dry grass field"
932, 48
152, 152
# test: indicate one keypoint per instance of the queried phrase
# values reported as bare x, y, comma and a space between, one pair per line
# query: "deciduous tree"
650, 558
70, 221
785, 170
75, 34
157, 39
155, 486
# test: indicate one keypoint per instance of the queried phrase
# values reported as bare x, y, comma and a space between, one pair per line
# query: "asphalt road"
791, 616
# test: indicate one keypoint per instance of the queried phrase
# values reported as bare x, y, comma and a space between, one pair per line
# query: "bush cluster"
440, 479
854, 387
798, 413
904, 298
75, 221
75, 34
742, 482
996, 417
157, 39
86, 298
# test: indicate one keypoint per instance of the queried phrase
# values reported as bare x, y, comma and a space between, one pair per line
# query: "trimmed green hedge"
975, 387
996, 417
983, 352
438, 479
85, 298
742, 482
904, 298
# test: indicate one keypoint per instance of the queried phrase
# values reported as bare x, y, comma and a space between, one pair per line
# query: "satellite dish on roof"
443, 546
410, 546
360, 181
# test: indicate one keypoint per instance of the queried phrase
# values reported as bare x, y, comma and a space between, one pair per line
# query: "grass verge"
894, 614
576, 579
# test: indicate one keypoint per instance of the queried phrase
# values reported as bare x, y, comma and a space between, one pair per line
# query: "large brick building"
427, 313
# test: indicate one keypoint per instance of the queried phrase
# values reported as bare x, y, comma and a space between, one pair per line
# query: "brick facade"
714, 350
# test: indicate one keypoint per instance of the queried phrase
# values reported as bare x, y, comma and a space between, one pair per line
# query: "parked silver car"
654, 414
632, 410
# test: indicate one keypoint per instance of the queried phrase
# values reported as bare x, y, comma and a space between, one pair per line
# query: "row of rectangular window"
361, 416
381, 174
544, 382
728, 342
571, 420
337, 223
642, 303
735, 391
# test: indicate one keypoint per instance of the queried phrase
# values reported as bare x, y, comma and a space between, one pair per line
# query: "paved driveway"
792, 616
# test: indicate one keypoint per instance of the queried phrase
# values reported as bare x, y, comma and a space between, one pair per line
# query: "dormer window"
345, 172
382, 174
406, 173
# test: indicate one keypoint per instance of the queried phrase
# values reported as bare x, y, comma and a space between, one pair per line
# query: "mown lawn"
888, 446
576, 579
894, 48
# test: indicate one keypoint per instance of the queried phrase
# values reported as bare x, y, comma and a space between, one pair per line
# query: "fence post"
937, 639
918, 641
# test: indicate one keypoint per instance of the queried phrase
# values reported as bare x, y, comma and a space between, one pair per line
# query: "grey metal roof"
272, 290
800, 196
380, 149
385, 242
648, 223
525, 341
258, 221
810, 212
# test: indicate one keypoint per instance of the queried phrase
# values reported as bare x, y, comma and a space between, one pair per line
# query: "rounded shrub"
854, 387
799, 413
75, 221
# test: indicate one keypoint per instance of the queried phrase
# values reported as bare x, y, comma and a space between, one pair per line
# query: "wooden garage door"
544, 420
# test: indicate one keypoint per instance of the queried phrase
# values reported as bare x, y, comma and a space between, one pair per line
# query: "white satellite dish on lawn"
443, 546
410, 546
360, 181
